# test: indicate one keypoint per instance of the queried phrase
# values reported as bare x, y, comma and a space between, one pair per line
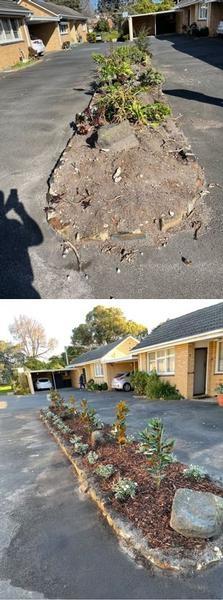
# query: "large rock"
117, 137
97, 438
197, 514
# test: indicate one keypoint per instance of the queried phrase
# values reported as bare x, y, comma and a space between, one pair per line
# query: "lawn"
4, 389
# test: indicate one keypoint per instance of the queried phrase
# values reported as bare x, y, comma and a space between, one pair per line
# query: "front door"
200, 366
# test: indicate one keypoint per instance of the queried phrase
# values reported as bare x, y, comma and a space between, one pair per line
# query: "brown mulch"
150, 510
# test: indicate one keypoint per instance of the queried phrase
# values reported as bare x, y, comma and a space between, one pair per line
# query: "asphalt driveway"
53, 543
37, 106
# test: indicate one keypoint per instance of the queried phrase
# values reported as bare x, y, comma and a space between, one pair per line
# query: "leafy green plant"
139, 381
56, 399
72, 404
113, 68
80, 448
49, 414
75, 439
151, 77
91, 37
157, 448
102, 25
157, 112
156, 389
105, 471
219, 388
120, 423
194, 472
124, 489
142, 42
92, 457
110, 36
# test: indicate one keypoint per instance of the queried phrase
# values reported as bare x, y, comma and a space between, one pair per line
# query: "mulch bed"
150, 510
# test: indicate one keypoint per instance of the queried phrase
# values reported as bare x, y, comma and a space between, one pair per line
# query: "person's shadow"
16, 236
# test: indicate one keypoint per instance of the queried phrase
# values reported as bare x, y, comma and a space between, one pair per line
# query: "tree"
72, 353
104, 325
31, 337
146, 6
75, 4
10, 358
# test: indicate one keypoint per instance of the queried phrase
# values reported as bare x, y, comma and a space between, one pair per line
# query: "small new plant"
120, 423
194, 472
105, 471
72, 404
142, 42
124, 489
92, 457
49, 414
157, 448
56, 399
80, 448
75, 439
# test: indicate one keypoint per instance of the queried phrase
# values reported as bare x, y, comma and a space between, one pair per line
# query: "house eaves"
209, 335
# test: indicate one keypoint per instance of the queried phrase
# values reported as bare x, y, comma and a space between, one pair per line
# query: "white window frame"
201, 11
165, 355
62, 24
12, 39
217, 357
98, 370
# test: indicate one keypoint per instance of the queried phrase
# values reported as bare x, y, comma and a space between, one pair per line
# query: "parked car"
38, 47
43, 383
122, 382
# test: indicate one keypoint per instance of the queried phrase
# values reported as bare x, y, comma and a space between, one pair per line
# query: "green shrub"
113, 68
142, 42
157, 448
104, 386
132, 54
156, 389
105, 471
109, 36
75, 439
194, 472
139, 381
124, 489
91, 37
157, 112
151, 77
102, 25
80, 448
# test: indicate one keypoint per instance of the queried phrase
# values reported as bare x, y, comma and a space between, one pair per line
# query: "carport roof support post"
130, 29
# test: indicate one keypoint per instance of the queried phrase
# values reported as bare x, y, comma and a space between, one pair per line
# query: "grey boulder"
197, 514
97, 438
117, 137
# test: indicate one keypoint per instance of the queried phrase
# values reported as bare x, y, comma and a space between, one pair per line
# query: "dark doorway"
200, 366
84, 375
62, 380
166, 23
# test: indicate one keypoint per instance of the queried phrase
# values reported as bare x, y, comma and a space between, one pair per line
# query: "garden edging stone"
131, 537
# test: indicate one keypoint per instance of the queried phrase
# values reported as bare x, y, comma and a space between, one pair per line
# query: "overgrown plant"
142, 42
157, 448
105, 471
194, 472
151, 77
124, 489
156, 389
139, 381
120, 423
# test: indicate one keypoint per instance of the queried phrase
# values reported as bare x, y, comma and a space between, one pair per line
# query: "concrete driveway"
37, 106
53, 542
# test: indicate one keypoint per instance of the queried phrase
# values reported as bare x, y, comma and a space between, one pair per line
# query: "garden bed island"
135, 484
128, 175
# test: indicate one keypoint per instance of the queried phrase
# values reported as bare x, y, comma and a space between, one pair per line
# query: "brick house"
14, 34
187, 351
105, 362
205, 14
54, 24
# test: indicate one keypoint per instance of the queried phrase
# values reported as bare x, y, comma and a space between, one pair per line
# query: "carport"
60, 378
46, 29
156, 23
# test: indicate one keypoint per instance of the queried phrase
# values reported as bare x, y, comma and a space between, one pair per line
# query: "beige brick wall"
214, 379
10, 54
183, 378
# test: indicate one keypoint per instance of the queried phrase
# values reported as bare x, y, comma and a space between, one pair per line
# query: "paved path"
37, 106
53, 543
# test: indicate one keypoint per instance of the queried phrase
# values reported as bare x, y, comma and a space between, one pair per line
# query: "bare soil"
157, 190
150, 510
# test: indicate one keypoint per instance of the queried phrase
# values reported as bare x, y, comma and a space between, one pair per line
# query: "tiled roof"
10, 7
97, 352
59, 9
195, 323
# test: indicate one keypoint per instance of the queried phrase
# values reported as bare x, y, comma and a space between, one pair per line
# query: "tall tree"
75, 4
31, 337
10, 358
104, 325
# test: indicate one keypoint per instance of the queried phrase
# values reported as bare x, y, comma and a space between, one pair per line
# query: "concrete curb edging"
133, 538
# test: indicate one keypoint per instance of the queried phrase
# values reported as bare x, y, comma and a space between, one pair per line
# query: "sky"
60, 316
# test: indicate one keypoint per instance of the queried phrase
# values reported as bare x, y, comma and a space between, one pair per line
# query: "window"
63, 25
219, 368
203, 12
9, 30
163, 361
98, 370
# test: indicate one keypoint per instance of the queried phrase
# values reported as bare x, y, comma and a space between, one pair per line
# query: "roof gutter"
15, 12
208, 335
